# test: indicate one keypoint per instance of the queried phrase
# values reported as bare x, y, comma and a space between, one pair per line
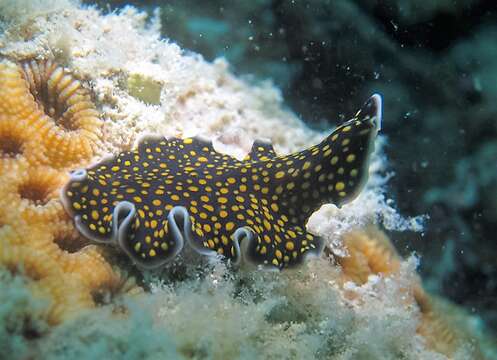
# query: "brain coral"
47, 122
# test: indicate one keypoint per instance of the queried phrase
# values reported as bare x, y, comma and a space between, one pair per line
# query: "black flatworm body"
166, 193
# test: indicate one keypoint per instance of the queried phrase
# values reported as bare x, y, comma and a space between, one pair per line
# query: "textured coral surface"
37, 237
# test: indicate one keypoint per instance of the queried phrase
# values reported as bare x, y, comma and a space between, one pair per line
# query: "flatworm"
167, 192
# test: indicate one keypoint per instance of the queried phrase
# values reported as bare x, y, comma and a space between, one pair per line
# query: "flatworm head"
166, 193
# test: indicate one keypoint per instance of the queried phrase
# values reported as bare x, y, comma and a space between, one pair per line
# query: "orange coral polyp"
68, 124
370, 252
94, 270
33, 194
12, 139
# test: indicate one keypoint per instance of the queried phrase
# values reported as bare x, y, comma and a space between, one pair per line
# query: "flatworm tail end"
351, 145
334, 171
371, 111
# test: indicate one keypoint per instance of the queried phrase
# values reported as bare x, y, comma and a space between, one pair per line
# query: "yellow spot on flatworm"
339, 186
222, 200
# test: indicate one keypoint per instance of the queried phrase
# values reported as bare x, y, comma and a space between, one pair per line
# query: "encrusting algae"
47, 123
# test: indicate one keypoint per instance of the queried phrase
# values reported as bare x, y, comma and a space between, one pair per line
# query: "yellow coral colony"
48, 125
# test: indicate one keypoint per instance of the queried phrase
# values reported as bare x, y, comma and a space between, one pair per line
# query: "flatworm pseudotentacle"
152, 200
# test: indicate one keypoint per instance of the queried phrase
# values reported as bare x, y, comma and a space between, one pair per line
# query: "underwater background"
435, 65
434, 62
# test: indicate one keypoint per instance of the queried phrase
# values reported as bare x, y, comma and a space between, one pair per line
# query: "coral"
445, 327
370, 252
68, 279
70, 127
92, 267
255, 209
17, 139
47, 115
33, 192
67, 295
37, 238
